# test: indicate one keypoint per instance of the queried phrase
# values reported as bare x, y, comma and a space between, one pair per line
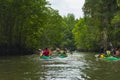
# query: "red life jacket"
46, 52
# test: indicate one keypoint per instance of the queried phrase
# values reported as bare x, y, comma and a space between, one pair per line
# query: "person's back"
46, 52
50, 52
117, 53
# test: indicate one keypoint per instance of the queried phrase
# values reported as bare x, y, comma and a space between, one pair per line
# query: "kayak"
62, 56
45, 57
112, 58
109, 58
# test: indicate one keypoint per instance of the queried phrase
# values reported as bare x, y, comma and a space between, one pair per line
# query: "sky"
68, 6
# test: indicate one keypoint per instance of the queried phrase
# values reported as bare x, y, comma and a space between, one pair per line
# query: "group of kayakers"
48, 51
110, 52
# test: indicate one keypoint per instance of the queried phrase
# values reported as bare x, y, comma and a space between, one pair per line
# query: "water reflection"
101, 69
65, 69
79, 66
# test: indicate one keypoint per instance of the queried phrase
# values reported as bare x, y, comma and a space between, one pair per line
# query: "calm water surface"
79, 66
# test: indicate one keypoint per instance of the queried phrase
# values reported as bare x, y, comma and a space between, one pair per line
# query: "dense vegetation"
27, 25
100, 26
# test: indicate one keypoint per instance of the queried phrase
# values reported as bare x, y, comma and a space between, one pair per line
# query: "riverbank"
15, 51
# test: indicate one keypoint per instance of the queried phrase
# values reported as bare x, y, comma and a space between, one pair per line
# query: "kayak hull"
62, 56
111, 58
45, 57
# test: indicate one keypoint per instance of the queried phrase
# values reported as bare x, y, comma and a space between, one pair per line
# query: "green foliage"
68, 40
99, 14
52, 29
29, 24
115, 27
86, 37
32, 24
23, 23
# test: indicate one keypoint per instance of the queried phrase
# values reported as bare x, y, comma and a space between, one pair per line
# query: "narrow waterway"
77, 66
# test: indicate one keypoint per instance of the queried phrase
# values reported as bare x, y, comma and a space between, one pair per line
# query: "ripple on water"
64, 69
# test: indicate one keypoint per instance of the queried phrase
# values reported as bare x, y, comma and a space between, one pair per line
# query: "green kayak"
45, 57
111, 58
62, 55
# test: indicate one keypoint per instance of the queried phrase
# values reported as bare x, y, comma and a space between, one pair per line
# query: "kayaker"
63, 53
57, 50
102, 55
108, 52
50, 52
113, 51
65, 50
40, 52
46, 52
117, 53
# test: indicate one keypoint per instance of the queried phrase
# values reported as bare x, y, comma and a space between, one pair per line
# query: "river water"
77, 66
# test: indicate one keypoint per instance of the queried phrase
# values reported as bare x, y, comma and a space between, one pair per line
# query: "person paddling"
50, 52
117, 53
46, 52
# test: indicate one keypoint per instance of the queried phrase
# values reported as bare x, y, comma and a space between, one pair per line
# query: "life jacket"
108, 53
102, 56
46, 52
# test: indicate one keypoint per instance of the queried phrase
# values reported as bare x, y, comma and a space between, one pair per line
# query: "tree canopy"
99, 26
29, 25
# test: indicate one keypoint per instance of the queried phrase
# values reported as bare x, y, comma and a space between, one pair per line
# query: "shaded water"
79, 66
